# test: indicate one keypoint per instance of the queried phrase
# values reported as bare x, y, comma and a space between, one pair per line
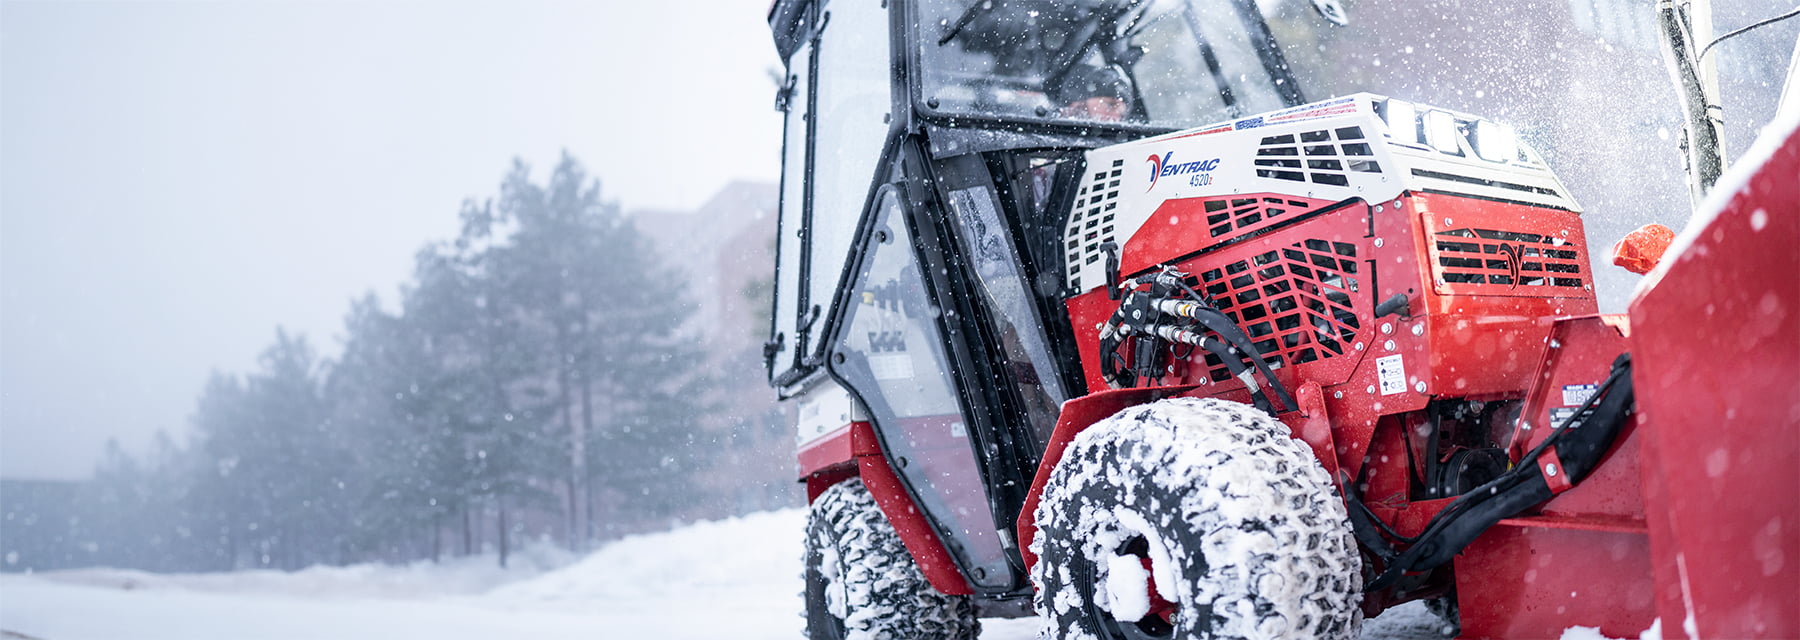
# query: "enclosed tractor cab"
1058, 346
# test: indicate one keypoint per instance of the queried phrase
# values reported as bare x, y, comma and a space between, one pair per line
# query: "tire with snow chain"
1194, 518
861, 584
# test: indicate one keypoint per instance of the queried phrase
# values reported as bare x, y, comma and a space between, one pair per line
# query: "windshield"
1174, 63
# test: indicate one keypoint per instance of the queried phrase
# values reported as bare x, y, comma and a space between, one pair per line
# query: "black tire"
1240, 526
862, 584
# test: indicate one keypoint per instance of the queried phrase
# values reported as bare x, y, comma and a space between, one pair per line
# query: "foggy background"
539, 195
285, 283
179, 178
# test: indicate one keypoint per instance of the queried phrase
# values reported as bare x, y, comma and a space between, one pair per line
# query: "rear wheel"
862, 583
1194, 518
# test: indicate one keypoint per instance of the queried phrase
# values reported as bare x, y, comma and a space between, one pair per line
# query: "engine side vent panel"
1092, 224
1227, 218
1326, 156
1197, 226
1488, 256
1540, 255
1298, 304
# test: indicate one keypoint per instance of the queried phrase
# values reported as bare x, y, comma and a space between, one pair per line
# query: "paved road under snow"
731, 579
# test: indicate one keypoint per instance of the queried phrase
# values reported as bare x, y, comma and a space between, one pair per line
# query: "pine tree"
593, 309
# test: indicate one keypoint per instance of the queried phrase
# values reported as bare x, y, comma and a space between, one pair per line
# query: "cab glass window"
852, 103
790, 230
1160, 62
894, 359
1024, 345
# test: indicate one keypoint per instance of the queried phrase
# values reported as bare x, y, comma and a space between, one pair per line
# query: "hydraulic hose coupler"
1176, 334
1179, 308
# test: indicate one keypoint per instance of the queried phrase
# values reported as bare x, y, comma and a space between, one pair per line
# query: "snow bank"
1593, 633
737, 578
453, 576
758, 552
37, 608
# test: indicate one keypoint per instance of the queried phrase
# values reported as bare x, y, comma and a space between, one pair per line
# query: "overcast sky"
179, 178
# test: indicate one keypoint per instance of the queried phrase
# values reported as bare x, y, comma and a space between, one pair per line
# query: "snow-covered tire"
1241, 529
861, 584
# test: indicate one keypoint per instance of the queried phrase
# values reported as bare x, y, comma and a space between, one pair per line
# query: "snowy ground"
736, 578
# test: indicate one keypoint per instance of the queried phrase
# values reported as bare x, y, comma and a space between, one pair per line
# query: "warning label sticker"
1392, 373
1575, 394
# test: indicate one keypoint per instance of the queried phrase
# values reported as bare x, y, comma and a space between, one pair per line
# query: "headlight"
1441, 133
1495, 142
1403, 122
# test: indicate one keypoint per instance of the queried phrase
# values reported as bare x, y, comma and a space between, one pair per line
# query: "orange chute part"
1640, 250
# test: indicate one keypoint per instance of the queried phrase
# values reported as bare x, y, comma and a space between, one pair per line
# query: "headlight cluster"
1449, 133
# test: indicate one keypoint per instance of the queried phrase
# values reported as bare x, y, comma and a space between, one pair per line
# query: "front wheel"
1194, 518
862, 584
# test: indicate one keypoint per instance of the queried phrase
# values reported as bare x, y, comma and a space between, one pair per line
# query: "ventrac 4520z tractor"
1055, 349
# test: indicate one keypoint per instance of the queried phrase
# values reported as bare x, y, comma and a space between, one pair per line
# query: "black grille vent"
1326, 156
1091, 223
1507, 258
1295, 304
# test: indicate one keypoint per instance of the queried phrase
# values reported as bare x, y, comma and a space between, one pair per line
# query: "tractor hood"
1358, 146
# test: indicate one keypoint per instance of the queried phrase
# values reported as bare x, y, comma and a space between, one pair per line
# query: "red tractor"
1055, 350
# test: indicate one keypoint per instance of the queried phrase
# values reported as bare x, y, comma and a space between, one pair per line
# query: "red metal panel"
1386, 482
1580, 356
1189, 225
1312, 425
1411, 519
1482, 247
818, 481
830, 449
1299, 293
1516, 580
827, 461
1086, 313
1579, 353
1521, 580
1487, 337
1716, 348
915, 531
1489, 353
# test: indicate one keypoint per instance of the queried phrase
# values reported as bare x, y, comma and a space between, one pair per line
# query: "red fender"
1077, 416
827, 461
914, 529
853, 450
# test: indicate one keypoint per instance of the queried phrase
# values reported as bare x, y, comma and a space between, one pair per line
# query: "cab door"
896, 354
838, 97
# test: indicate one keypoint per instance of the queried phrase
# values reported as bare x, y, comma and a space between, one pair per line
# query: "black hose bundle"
1170, 312
1580, 441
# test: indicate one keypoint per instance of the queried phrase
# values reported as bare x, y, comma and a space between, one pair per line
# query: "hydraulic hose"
1221, 324
1580, 441
1141, 314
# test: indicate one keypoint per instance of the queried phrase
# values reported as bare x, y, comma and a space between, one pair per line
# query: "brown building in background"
725, 250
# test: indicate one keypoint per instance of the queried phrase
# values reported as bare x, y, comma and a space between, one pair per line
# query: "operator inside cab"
1163, 63
1031, 57
1094, 93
